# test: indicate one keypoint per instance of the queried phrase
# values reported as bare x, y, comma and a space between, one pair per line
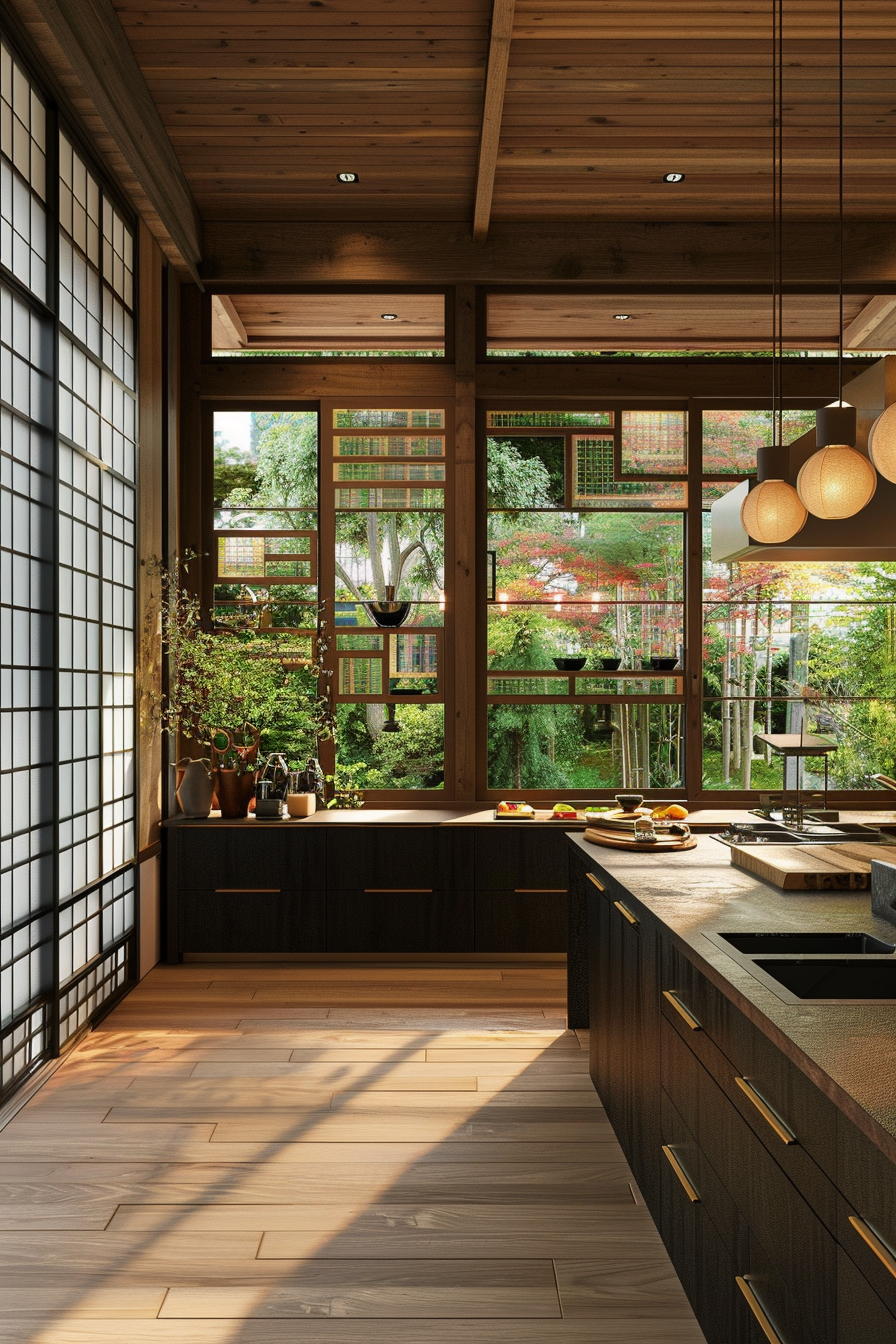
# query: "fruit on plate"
565, 811
515, 810
674, 812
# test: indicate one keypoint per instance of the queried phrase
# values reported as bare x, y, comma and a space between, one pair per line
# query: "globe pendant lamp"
773, 512
882, 443
836, 482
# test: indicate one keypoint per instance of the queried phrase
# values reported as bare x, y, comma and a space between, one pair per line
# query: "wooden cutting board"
841, 867
615, 840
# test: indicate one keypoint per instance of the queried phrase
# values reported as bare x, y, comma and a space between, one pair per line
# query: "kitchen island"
762, 1131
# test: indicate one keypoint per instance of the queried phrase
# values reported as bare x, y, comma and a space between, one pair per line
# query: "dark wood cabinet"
514, 855
250, 921
385, 920
520, 921
436, 857
778, 1213
236, 856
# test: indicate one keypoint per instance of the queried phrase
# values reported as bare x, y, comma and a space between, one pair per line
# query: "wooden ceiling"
664, 322
328, 321
265, 102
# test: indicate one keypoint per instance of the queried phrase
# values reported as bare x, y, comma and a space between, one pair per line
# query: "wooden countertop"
474, 814
847, 1049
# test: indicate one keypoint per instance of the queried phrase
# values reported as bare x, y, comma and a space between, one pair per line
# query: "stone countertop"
847, 1049
471, 814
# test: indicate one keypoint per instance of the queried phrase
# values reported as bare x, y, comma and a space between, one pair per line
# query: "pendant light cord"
777, 218
840, 199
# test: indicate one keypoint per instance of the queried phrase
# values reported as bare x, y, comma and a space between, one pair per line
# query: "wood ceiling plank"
873, 327
492, 113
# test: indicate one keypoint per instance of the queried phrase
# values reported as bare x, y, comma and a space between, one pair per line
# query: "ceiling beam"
228, 331
492, 115
83, 42
873, 328
620, 255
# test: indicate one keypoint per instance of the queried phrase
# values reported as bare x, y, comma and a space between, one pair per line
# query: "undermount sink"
851, 944
851, 980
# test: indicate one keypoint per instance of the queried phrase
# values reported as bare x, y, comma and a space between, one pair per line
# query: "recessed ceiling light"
389, 317
623, 317
673, 177
347, 177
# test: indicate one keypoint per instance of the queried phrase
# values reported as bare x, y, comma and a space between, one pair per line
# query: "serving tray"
614, 841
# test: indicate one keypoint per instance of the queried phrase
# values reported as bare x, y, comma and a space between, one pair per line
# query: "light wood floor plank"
234, 1158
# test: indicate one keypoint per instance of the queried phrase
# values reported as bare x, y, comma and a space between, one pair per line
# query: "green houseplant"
255, 689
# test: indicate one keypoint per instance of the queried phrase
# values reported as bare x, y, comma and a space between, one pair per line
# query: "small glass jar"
645, 831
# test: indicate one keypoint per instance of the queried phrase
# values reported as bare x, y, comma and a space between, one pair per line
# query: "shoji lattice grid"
27, 586
97, 516
67, 520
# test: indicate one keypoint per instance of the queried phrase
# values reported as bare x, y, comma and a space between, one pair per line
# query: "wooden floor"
343, 1155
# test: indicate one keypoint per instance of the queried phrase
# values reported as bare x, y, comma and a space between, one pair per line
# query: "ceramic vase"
235, 791
195, 787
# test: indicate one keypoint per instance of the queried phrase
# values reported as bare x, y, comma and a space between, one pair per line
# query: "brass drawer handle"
681, 1174
373, 891
758, 1310
273, 890
682, 1011
592, 878
627, 914
875, 1244
785, 1134
548, 891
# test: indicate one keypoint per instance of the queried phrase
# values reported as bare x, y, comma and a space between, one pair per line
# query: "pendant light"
882, 443
773, 511
837, 481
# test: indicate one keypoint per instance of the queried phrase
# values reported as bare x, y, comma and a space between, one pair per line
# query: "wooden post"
465, 569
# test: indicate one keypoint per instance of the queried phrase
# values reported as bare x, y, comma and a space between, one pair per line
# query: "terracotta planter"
235, 792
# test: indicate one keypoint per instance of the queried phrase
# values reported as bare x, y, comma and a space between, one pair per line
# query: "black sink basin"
851, 944
851, 980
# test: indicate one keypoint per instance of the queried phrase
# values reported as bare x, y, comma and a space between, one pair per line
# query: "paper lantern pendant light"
773, 512
836, 482
882, 443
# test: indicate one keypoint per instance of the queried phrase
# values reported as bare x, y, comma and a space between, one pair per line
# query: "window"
67, 517
585, 611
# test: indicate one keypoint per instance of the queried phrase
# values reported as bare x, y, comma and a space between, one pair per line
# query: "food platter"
617, 820
616, 841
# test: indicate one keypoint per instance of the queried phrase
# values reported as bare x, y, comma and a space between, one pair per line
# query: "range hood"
870, 535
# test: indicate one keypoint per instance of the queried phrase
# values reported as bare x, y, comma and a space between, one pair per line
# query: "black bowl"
663, 664
610, 664
387, 613
570, 664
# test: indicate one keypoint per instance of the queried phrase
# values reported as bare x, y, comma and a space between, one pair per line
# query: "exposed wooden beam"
492, 114
83, 41
228, 331
873, 328
257, 253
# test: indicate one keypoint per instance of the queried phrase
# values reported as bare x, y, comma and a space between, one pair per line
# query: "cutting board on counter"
841, 867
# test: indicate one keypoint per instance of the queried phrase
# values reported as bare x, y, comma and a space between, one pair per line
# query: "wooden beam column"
492, 115
465, 570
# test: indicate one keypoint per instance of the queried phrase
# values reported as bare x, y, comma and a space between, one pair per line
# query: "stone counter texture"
848, 1050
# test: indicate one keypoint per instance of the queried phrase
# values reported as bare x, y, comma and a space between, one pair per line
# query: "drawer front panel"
252, 921
867, 1180
521, 857
861, 1315
399, 856
240, 856
400, 921
716, 1200
797, 1245
520, 921
730, 1046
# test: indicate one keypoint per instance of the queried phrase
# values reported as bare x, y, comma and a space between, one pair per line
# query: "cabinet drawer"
861, 1315
220, 856
399, 856
730, 1045
786, 1238
716, 1200
523, 854
400, 921
520, 921
252, 921
867, 1180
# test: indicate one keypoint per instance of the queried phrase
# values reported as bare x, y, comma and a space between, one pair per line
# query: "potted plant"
233, 692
